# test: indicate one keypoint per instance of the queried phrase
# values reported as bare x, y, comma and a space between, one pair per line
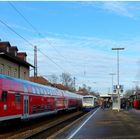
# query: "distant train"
89, 102
25, 100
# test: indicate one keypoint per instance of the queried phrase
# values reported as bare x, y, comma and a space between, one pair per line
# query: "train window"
17, 97
4, 96
38, 91
49, 93
33, 90
34, 109
42, 91
45, 91
39, 108
25, 88
42, 108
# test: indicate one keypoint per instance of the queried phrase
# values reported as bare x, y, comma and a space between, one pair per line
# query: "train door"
66, 103
25, 106
55, 102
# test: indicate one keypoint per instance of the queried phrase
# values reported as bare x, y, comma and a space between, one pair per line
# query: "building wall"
13, 69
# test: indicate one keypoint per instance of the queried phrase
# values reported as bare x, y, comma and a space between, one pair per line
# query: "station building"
12, 62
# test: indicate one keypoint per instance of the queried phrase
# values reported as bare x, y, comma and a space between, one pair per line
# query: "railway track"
40, 129
61, 129
56, 126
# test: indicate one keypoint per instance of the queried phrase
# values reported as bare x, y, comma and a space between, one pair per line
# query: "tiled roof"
10, 55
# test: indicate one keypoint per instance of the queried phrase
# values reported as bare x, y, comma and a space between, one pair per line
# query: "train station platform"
108, 124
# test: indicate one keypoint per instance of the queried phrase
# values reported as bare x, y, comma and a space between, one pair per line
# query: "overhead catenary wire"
30, 44
16, 33
34, 28
50, 59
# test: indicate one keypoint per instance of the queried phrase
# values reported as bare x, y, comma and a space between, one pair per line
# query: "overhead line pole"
35, 61
29, 43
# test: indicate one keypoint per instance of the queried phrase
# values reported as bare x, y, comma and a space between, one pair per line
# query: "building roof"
14, 48
22, 53
44, 81
105, 95
10, 55
39, 79
82, 93
59, 86
15, 59
4, 44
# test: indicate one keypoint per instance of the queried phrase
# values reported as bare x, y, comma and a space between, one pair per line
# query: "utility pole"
35, 62
74, 82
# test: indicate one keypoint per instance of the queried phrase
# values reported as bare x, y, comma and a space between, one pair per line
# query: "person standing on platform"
102, 104
127, 104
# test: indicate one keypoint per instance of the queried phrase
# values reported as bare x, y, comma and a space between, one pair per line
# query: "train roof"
19, 80
65, 93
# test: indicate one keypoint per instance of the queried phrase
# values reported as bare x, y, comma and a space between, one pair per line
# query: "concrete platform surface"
108, 124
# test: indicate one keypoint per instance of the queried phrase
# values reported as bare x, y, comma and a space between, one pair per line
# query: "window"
39, 108
2, 68
88, 99
42, 108
33, 90
9, 71
4, 96
15, 72
15, 53
46, 92
38, 91
24, 75
42, 91
17, 97
7, 49
34, 109
25, 88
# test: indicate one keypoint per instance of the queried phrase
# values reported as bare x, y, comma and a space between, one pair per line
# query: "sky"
78, 37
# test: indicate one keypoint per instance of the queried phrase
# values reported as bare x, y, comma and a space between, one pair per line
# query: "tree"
128, 93
53, 78
67, 81
86, 90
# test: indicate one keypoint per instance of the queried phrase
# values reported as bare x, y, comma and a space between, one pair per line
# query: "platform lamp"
118, 86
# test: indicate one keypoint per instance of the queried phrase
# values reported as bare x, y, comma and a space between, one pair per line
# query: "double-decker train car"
24, 100
89, 102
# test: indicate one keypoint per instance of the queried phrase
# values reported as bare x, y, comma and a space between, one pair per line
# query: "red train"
24, 100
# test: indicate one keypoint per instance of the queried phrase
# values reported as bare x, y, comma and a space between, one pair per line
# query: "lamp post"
112, 74
118, 87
